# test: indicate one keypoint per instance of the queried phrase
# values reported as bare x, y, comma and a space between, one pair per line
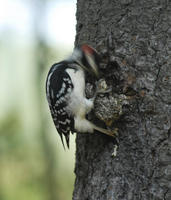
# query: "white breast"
77, 98
78, 104
78, 80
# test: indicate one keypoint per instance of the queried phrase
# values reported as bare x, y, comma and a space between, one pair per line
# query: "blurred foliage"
23, 164
33, 164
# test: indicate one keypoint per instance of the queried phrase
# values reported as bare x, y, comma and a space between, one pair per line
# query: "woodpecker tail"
66, 139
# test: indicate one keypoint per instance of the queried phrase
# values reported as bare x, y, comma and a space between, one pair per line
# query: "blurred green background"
34, 34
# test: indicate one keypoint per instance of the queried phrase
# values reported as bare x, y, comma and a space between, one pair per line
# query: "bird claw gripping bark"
111, 133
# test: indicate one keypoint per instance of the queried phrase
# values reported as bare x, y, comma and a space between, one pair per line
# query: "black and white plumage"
65, 91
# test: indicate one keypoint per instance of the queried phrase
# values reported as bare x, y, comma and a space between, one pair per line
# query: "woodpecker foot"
112, 133
115, 132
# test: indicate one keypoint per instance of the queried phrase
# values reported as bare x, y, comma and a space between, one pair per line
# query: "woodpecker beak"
91, 61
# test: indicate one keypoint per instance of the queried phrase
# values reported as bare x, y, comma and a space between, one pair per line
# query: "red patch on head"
87, 49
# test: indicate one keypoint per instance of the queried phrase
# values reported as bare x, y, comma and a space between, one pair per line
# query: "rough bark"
141, 35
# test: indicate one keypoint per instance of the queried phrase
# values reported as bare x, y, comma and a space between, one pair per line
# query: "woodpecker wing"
58, 90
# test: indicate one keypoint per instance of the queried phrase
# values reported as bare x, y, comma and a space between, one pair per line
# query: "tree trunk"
139, 33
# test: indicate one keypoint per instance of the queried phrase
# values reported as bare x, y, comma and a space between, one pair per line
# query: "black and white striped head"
88, 58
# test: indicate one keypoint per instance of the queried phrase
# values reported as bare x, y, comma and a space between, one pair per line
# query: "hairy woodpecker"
65, 91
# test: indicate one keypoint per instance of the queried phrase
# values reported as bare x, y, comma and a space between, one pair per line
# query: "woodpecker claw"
115, 131
112, 133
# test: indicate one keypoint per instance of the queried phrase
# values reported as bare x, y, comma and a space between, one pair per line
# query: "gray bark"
141, 35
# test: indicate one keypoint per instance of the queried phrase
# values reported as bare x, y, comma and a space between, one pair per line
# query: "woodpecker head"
87, 58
